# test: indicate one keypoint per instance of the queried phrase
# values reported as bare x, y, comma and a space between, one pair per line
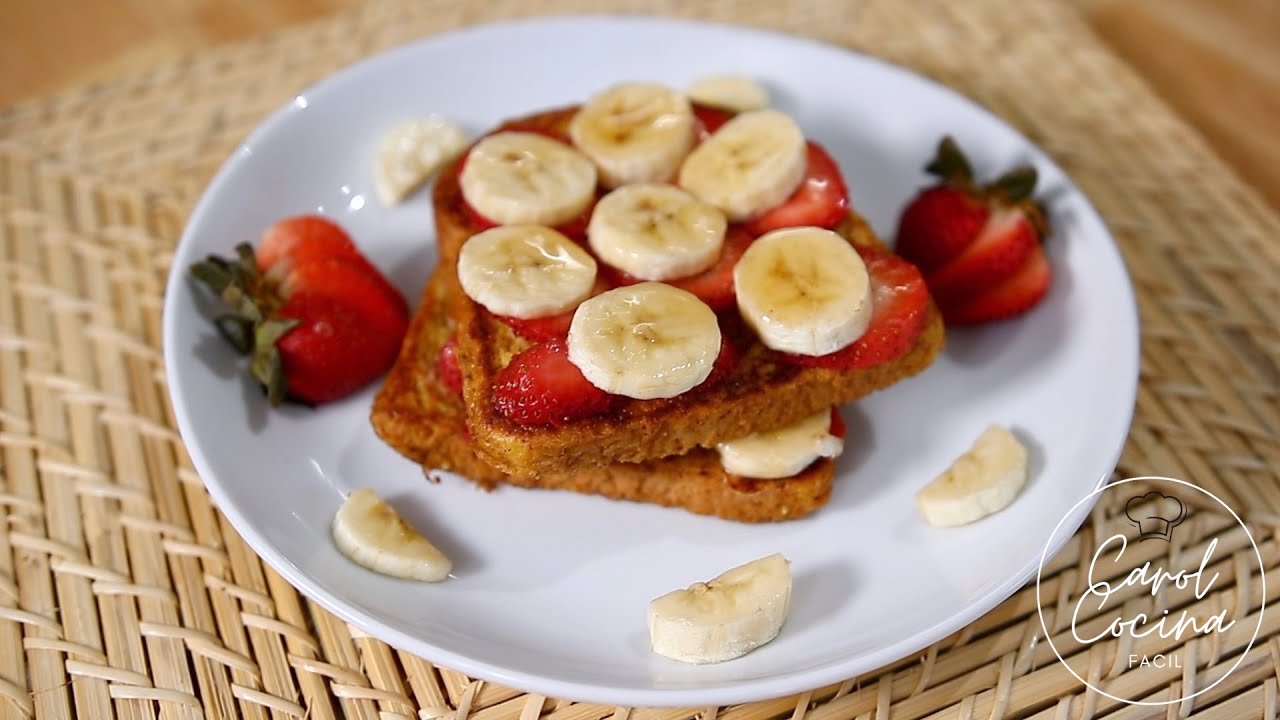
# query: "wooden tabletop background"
1216, 61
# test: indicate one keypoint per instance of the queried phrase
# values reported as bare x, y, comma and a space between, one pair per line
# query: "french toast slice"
417, 415
762, 393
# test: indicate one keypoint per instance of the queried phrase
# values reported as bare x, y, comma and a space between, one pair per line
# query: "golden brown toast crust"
761, 394
418, 416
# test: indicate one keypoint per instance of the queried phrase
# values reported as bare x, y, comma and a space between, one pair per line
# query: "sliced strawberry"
1003, 246
1017, 294
709, 119
837, 422
822, 199
316, 356
715, 284
901, 304
447, 365
541, 387
302, 239
938, 224
725, 364
552, 326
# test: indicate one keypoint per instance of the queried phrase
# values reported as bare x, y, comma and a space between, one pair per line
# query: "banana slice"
656, 232
783, 452
752, 163
738, 93
804, 290
644, 341
525, 271
373, 535
723, 618
411, 152
634, 132
980, 482
520, 178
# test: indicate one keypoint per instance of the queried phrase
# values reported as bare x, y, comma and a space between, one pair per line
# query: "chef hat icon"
1155, 515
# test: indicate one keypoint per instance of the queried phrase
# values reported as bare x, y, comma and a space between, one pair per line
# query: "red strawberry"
725, 363
937, 226
541, 387
302, 239
317, 331
821, 200
552, 326
1015, 295
715, 284
709, 119
1003, 245
447, 365
837, 423
900, 308
967, 238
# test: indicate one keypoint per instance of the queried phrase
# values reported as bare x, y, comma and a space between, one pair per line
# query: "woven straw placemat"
125, 594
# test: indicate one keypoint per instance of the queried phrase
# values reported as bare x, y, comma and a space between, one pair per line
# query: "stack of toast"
658, 451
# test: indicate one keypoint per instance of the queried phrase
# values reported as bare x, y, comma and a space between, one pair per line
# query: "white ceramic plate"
551, 588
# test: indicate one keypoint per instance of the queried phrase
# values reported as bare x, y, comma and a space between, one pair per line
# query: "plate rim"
721, 694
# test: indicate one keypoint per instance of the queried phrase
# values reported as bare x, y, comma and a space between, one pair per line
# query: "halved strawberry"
302, 239
900, 308
541, 387
938, 225
822, 200
1003, 245
1015, 295
708, 120
447, 365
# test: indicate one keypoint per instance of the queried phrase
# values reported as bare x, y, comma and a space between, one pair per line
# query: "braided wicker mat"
125, 594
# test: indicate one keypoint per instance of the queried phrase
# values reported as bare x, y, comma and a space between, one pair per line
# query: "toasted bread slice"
761, 394
415, 413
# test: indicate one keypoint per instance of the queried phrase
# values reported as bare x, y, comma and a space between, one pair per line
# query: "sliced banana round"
752, 163
723, 618
525, 271
984, 480
516, 178
783, 452
644, 341
656, 232
410, 152
373, 535
634, 132
738, 93
804, 290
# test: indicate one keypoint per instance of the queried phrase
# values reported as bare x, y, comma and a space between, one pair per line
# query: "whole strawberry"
318, 320
979, 247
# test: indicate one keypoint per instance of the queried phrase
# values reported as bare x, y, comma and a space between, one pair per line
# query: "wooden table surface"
1215, 61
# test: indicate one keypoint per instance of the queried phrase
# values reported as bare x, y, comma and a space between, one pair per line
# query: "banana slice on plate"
635, 132
644, 341
525, 271
724, 618
984, 480
411, 152
516, 178
373, 535
804, 290
783, 452
738, 93
752, 163
656, 232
